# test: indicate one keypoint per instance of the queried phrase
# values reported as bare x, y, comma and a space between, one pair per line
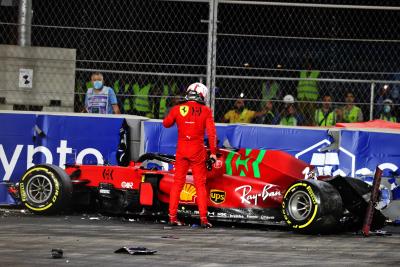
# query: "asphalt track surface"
90, 240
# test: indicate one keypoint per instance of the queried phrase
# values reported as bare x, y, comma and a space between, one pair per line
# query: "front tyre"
312, 206
45, 189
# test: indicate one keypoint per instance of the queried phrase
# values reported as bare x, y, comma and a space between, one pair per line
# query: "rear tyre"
45, 189
312, 206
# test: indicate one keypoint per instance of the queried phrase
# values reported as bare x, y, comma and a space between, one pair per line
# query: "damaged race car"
245, 185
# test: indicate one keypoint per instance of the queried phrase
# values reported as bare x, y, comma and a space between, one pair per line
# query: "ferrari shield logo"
217, 196
184, 110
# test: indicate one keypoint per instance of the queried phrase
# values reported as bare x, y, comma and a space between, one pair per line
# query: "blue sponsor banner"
292, 140
28, 139
369, 150
359, 152
17, 130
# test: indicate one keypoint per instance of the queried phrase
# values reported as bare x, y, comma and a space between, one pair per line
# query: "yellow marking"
312, 218
311, 192
22, 191
34, 169
293, 186
184, 110
39, 209
188, 192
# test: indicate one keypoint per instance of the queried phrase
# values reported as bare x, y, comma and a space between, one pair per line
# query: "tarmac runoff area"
90, 240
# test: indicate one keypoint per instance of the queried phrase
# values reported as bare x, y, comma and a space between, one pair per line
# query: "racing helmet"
196, 92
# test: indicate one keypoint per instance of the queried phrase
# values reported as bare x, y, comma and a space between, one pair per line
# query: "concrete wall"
135, 135
53, 78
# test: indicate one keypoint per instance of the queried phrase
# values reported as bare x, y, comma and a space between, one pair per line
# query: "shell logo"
188, 193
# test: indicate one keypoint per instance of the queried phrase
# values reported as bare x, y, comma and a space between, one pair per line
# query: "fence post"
211, 50
25, 22
371, 104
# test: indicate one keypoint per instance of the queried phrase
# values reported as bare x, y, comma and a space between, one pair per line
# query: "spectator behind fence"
388, 111
326, 115
269, 90
383, 93
141, 103
100, 98
239, 113
350, 112
395, 89
268, 115
307, 91
168, 98
289, 115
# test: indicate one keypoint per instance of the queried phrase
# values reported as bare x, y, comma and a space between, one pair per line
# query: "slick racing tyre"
312, 206
45, 189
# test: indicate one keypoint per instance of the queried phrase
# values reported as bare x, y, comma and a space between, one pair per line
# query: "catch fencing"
250, 50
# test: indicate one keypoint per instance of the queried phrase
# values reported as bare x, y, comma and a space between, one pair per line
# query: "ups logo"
217, 196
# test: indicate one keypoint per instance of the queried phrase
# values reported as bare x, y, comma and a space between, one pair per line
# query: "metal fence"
254, 51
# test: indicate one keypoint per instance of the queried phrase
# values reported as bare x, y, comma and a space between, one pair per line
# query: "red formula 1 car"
246, 185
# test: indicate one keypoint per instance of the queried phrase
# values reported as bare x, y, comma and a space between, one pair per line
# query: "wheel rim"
300, 205
39, 189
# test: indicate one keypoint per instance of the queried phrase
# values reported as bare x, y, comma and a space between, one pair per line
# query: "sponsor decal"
236, 216
222, 214
218, 164
245, 165
267, 218
247, 197
104, 191
128, 185
108, 174
188, 194
217, 196
57, 189
9, 162
22, 192
184, 110
311, 194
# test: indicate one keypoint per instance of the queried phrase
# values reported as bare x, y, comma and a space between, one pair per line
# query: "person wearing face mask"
239, 113
387, 111
100, 99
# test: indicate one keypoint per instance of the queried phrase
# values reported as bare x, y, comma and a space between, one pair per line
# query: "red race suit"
192, 119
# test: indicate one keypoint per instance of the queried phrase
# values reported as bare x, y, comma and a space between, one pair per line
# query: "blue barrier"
359, 151
28, 139
370, 149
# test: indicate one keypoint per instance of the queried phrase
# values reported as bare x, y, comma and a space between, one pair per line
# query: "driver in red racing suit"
192, 118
